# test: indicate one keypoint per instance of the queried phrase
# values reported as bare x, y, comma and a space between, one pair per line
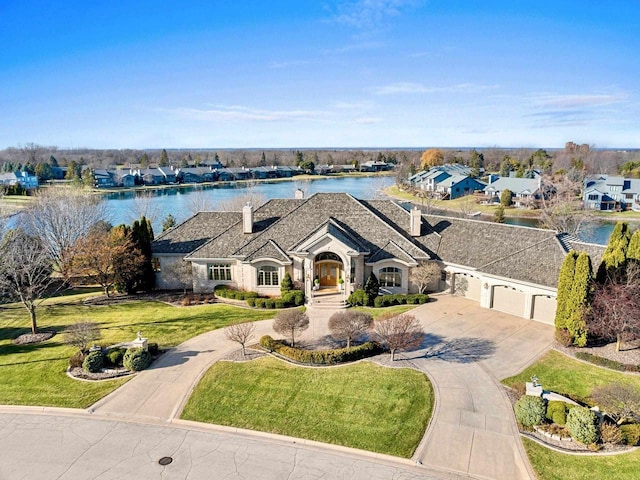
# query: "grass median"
362, 405
35, 374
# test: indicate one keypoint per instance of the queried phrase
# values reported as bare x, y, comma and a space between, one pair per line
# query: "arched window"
268, 276
328, 256
390, 277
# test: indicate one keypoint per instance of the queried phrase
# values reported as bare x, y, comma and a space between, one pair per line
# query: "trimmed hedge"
557, 412
115, 356
291, 298
93, 362
631, 433
136, 359
607, 363
361, 298
321, 357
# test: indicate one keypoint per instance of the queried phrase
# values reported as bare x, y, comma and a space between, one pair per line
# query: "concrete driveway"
467, 351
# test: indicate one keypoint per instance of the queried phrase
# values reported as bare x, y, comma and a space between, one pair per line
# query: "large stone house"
333, 236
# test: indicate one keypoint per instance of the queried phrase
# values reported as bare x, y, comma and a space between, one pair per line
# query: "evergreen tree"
53, 162
88, 178
168, 222
577, 307
614, 257
142, 236
476, 162
633, 252
164, 159
263, 160
505, 198
144, 161
505, 166
498, 215
286, 284
371, 288
44, 172
565, 281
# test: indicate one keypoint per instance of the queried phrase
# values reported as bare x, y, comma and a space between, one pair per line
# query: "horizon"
332, 74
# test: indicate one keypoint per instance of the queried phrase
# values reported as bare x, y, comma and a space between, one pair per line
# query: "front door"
328, 273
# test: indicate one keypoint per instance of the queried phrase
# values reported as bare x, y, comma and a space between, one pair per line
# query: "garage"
544, 309
466, 286
508, 300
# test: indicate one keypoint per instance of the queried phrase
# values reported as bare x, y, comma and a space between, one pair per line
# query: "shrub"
557, 412
136, 359
93, 362
358, 298
260, 302
186, 301
76, 360
269, 303
601, 361
530, 410
153, 348
286, 284
610, 433
280, 303
582, 424
631, 433
321, 357
251, 302
293, 298
563, 337
115, 356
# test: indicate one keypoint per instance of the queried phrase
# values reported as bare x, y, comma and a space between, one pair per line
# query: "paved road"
70, 447
472, 433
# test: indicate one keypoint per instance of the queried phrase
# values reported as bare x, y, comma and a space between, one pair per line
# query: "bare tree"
60, 217
561, 206
25, 271
424, 275
251, 196
349, 325
615, 312
182, 271
82, 334
145, 205
467, 206
290, 323
619, 401
427, 200
199, 201
400, 332
240, 333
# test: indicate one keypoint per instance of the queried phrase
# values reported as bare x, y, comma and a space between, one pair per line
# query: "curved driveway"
472, 433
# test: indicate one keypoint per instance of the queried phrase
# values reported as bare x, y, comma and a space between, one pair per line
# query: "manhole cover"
165, 460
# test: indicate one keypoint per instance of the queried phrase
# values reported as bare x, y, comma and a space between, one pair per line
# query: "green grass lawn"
35, 374
551, 465
361, 405
562, 374
376, 312
565, 375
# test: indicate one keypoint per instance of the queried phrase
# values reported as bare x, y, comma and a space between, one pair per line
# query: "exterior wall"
466, 285
250, 277
168, 278
404, 288
201, 282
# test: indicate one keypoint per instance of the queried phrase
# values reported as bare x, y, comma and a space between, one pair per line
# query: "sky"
319, 74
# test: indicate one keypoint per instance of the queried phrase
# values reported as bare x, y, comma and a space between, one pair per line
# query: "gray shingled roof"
194, 232
269, 250
390, 251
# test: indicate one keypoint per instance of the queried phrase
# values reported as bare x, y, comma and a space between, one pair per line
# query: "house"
152, 176
58, 173
427, 179
125, 177
103, 179
196, 175
524, 191
24, 179
457, 186
608, 192
375, 166
288, 171
169, 174
346, 168
333, 236
264, 173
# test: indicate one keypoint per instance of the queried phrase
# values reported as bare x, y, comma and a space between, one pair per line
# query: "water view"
158, 203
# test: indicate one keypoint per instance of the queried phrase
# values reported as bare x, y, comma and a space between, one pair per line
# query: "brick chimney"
247, 218
416, 222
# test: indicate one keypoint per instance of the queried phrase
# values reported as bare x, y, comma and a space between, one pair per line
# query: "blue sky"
362, 73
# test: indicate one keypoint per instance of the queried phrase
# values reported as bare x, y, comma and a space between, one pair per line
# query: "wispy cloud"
419, 88
368, 14
368, 120
578, 100
237, 112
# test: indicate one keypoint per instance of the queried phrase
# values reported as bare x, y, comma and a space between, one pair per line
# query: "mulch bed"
107, 374
628, 355
29, 338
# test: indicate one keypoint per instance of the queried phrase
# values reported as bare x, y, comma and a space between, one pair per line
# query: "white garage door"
467, 286
508, 300
544, 309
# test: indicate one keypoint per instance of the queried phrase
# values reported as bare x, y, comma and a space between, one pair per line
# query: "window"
268, 276
390, 277
628, 196
155, 263
219, 271
593, 196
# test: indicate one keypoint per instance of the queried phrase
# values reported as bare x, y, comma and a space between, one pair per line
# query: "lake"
156, 204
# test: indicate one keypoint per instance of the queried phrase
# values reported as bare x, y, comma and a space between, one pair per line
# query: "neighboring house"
58, 173
347, 168
196, 175
427, 179
375, 166
125, 178
103, 179
524, 191
333, 236
264, 173
608, 192
24, 179
457, 186
169, 174
288, 171
152, 176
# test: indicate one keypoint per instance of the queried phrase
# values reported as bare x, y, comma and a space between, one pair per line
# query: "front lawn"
376, 312
551, 465
565, 375
35, 374
362, 405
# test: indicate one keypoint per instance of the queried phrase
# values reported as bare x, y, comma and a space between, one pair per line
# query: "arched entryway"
328, 269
